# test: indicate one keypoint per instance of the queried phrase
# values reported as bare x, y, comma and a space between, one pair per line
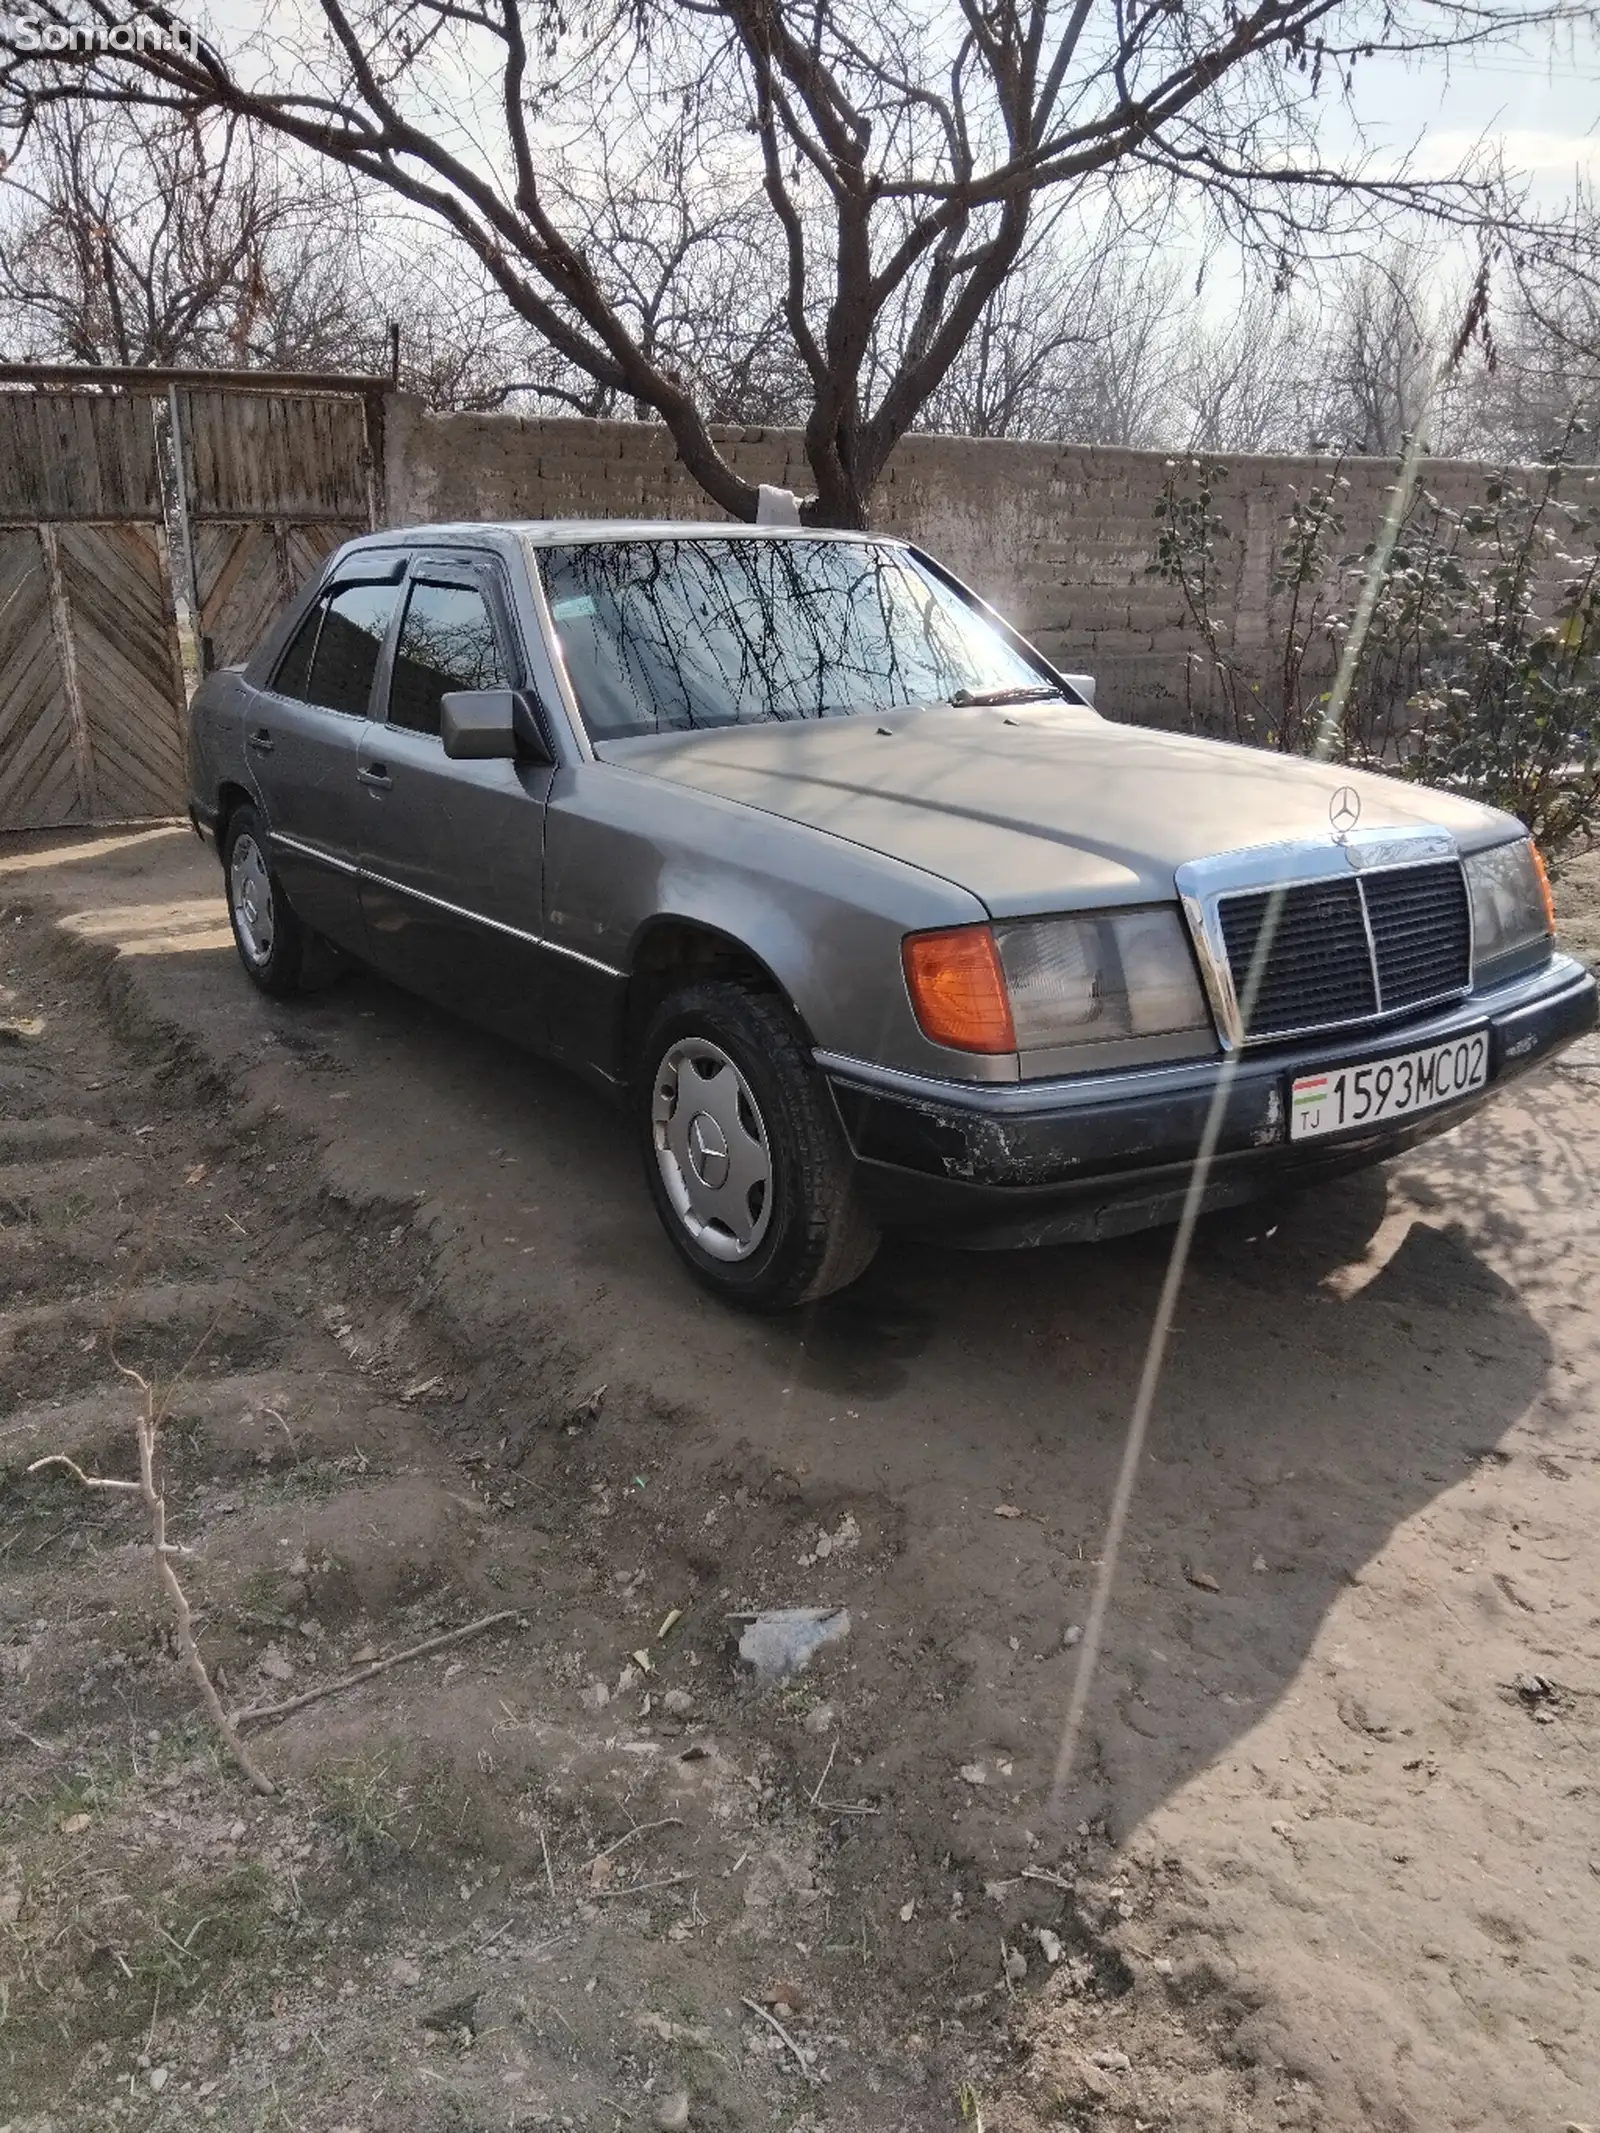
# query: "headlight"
1511, 908
1084, 980
1035, 984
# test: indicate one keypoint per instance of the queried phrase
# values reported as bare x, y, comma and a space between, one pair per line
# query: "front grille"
1350, 950
1318, 968
1421, 932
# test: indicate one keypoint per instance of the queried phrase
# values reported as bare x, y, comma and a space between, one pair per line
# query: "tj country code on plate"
1388, 1088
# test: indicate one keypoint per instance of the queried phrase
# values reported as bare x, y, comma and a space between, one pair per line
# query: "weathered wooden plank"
77, 456
17, 490
33, 756
41, 790
241, 587
67, 661
92, 456
39, 783
275, 455
129, 678
307, 548
23, 613
54, 800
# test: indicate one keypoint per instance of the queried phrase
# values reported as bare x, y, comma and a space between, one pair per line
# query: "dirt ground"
1330, 1857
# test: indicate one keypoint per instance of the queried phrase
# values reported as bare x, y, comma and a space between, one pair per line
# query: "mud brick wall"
1058, 536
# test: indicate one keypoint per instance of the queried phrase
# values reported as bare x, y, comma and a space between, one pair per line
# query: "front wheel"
744, 1153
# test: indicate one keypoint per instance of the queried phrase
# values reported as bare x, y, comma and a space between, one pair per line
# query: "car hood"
1036, 810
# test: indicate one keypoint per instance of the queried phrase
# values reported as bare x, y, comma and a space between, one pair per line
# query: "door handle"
376, 775
261, 741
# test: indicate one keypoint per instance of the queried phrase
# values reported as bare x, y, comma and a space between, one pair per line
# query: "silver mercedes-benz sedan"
856, 904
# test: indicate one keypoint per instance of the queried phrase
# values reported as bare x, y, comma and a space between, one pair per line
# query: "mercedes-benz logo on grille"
1344, 811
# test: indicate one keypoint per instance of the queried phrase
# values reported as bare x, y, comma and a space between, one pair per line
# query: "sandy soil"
1577, 892
1325, 1863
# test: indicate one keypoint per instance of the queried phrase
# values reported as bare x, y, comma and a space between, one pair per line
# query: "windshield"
666, 636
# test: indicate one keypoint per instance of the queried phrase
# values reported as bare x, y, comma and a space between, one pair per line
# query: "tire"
275, 949
763, 1121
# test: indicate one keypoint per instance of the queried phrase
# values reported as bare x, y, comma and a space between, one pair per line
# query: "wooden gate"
91, 691
274, 483
41, 774
137, 509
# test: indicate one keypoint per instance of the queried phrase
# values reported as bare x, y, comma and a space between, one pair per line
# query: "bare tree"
127, 240
680, 244
1009, 378
104, 261
1382, 348
901, 152
136, 238
1123, 392
1533, 392
1248, 376
1075, 344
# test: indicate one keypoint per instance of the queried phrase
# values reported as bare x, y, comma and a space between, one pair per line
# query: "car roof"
548, 531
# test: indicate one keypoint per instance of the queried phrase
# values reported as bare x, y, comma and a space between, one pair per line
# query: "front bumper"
1000, 1164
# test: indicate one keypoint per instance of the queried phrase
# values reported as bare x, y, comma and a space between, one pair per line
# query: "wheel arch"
231, 796
672, 950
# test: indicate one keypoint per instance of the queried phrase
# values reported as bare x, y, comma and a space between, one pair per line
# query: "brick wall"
1058, 536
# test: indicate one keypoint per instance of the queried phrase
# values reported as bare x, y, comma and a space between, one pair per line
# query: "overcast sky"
1544, 102
1545, 108
1539, 105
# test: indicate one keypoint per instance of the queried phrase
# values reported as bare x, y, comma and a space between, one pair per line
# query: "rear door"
300, 737
452, 854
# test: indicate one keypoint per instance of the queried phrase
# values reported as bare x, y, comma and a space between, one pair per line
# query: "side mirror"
1082, 685
480, 725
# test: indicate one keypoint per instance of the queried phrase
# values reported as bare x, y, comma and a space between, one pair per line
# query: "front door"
452, 854
301, 734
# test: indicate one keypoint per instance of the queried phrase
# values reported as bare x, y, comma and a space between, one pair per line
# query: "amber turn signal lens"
959, 990
1544, 887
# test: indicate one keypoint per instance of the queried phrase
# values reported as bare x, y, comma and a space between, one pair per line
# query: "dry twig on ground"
147, 1430
258, 1713
772, 2022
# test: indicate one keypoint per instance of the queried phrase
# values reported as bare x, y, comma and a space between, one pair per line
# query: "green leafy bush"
1480, 665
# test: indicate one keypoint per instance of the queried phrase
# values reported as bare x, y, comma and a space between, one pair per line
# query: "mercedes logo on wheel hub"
708, 1150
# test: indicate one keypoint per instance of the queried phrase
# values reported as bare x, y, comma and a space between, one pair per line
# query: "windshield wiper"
1024, 693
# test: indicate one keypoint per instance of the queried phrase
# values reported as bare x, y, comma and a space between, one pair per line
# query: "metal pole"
155, 377
180, 475
67, 662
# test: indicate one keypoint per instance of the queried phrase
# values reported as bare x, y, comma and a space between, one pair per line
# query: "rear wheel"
747, 1162
273, 945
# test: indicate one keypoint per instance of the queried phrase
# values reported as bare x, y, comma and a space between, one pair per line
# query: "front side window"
447, 641
354, 624
668, 636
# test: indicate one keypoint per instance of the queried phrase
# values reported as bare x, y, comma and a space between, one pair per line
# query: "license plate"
1388, 1088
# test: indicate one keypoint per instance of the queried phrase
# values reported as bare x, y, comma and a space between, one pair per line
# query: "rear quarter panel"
216, 741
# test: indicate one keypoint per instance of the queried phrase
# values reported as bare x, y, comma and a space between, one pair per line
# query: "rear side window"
294, 669
447, 641
354, 624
